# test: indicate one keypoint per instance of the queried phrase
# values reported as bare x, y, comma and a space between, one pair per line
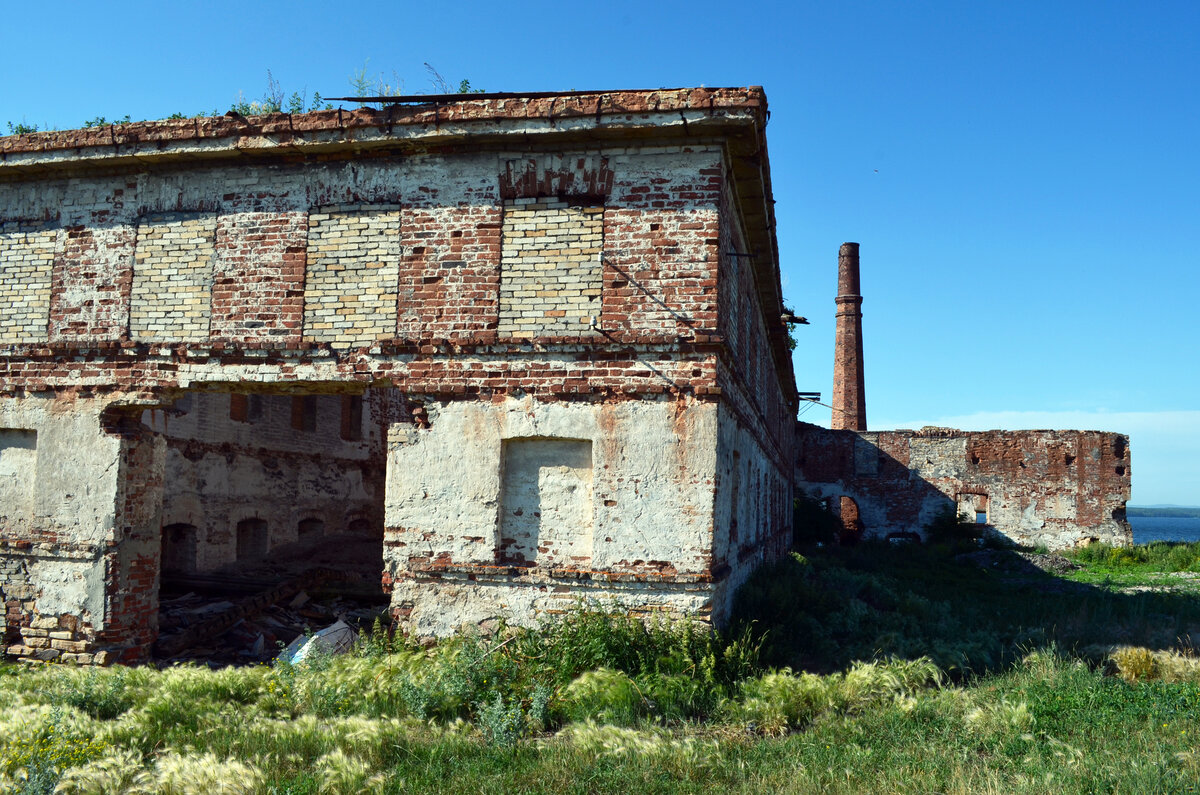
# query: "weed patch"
883, 669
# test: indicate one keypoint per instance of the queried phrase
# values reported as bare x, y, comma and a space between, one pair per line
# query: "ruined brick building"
1052, 488
525, 347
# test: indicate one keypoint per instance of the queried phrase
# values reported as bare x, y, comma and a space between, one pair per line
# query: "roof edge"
414, 110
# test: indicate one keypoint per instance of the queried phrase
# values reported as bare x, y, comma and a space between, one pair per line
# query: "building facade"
530, 343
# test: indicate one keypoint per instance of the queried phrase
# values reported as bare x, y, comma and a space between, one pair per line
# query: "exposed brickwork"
26, 262
258, 284
555, 174
92, 279
849, 393
1052, 488
285, 128
550, 268
172, 278
449, 272
375, 263
351, 282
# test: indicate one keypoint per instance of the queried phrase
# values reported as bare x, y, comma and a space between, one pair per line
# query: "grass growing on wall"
882, 669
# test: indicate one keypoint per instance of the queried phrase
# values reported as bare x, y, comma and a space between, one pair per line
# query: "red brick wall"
258, 280
449, 272
92, 278
1056, 488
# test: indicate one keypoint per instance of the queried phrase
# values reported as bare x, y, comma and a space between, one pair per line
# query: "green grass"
873, 600
1159, 564
882, 669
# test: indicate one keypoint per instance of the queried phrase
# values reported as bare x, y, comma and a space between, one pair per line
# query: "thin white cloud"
1165, 445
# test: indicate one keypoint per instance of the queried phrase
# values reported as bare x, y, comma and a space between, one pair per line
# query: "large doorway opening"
272, 517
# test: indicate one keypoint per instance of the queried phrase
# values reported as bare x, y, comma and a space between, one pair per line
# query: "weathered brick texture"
1052, 488
353, 269
26, 262
550, 268
449, 272
172, 278
258, 284
93, 274
449, 258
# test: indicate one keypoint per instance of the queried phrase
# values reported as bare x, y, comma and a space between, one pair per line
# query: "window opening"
310, 528
252, 541
352, 415
238, 407
304, 412
179, 548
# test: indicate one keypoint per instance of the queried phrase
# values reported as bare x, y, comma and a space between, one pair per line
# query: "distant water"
1164, 528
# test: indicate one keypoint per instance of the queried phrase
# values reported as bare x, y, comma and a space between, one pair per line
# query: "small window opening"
1069, 459
252, 542
981, 517
239, 407
1120, 470
352, 413
310, 528
245, 408
304, 412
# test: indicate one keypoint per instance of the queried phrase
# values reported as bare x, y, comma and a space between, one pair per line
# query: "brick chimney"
849, 394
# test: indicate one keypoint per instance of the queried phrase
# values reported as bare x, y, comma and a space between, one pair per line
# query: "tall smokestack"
849, 394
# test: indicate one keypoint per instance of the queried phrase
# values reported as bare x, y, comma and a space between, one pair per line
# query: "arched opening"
852, 526
309, 529
252, 539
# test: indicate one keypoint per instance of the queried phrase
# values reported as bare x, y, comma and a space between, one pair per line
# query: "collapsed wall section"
1057, 489
249, 474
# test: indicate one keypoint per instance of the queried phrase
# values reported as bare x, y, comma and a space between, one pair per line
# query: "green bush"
813, 522
952, 528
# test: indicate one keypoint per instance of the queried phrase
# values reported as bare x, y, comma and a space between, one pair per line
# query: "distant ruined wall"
1059, 489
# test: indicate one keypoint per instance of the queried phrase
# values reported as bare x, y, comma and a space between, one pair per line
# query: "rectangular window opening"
304, 413
352, 415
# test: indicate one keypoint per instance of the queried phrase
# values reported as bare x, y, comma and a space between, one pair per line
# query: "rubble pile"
248, 613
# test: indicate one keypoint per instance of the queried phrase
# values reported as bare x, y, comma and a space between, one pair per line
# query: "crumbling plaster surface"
71, 486
652, 495
453, 603
85, 532
1057, 489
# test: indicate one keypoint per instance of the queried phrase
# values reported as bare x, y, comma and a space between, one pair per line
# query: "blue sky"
1023, 177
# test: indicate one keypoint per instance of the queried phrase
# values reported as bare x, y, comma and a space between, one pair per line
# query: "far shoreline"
1169, 511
